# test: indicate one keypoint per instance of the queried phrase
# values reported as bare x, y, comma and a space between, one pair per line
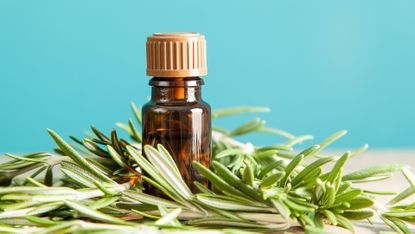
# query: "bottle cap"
176, 55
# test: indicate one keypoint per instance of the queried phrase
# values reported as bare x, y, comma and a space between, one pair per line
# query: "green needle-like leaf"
272, 179
337, 167
168, 159
69, 151
225, 203
229, 152
248, 175
103, 202
349, 195
344, 222
310, 168
395, 224
331, 217
79, 175
49, 176
326, 142
401, 196
134, 133
248, 127
358, 214
116, 157
372, 172
216, 180
282, 209
360, 202
290, 168
232, 179
41, 221
277, 164
168, 171
238, 110
277, 132
169, 217
152, 200
136, 113
93, 214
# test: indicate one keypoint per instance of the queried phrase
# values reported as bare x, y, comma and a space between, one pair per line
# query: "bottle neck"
176, 90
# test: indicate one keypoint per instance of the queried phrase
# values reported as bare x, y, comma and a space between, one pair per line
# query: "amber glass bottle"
176, 116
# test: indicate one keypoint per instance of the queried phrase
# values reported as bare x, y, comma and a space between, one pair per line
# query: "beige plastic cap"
176, 55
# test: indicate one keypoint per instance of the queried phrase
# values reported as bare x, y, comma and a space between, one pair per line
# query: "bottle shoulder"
202, 107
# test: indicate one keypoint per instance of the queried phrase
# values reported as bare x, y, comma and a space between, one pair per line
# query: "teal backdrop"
321, 66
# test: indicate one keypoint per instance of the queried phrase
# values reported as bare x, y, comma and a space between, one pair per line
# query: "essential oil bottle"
176, 116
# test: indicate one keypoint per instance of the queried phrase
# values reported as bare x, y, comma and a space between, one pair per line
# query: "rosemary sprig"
267, 188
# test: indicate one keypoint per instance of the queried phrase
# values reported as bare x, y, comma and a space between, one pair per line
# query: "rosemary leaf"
226, 204
152, 200
216, 180
136, 113
331, 217
372, 172
349, 195
35, 182
248, 127
248, 175
344, 222
93, 214
360, 202
393, 225
270, 167
134, 133
358, 214
337, 167
399, 213
103, 202
48, 181
282, 209
41, 221
310, 168
116, 157
272, 179
276, 132
160, 182
100, 135
232, 179
290, 168
168, 171
228, 152
167, 218
238, 110
401, 196
326, 142
65, 147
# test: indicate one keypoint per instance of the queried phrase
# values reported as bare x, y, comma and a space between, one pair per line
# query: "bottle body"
178, 118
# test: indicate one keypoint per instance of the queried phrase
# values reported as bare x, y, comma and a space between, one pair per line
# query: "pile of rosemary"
95, 185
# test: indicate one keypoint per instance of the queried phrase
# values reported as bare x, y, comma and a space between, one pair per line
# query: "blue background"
321, 66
